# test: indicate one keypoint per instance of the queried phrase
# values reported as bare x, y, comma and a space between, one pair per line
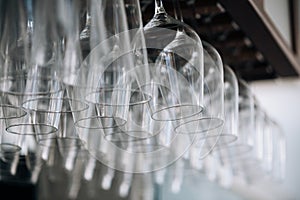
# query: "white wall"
278, 11
281, 99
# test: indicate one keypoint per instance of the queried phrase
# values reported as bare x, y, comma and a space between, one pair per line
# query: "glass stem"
177, 10
159, 8
178, 14
88, 14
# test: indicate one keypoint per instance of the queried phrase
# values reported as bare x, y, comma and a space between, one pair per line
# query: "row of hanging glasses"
89, 93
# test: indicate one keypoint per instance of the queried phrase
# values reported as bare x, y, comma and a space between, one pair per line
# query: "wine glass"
240, 154
229, 133
10, 147
165, 39
230, 129
16, 33
279, 152
101, 79
68, 36
207, 125
85, 33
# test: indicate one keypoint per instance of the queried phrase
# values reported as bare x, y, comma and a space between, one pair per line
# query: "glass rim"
149, 147
77, 122
15, 148
131, 137
25, 77
78, 141
146, 100
230, 138
85, 105
146, 148
18, 108
166, 108
10, 129
218, 119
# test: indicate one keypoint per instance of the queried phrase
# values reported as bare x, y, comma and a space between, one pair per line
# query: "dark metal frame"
256, 24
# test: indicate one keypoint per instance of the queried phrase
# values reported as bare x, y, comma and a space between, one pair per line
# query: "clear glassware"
103, 80
69, 56
10, 148
16, 33
16, 89
144, 181
239, 155
75, 176
55, 174
230, 131
262, 135
139, 141
214, 164
246, 128
114, 102
263, 149
212, 116
225, 175
125, 184
165, 38
231, 105
59, 112
256, 165
45, 38
29, 64
85, 32
279, 152
207, 125
29, 59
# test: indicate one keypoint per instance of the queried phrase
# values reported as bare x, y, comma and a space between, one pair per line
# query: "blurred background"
259, 40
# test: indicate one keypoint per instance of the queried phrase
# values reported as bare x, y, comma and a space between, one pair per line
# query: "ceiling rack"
243, 33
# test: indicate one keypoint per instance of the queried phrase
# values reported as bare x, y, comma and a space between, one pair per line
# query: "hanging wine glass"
279, 152
229, 132
207, 125
231, 121
18, 88
256, 165
85, 33
10, 148
230, 129
114, 85
213, 89
16, 34
166, 38
240, 153
103, 79
29, 39
69, 50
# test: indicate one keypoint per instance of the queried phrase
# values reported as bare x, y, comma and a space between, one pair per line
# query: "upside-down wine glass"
9, 143
207, 125
173, 72
166, 38
110, 78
